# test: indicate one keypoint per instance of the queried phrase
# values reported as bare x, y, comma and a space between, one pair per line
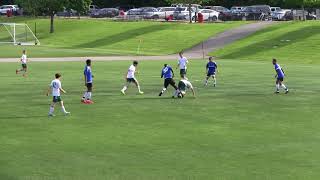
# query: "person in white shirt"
55, 88
130, 78
23, 61
183, 86
182, 65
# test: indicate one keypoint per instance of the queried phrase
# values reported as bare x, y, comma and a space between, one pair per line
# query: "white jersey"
131, 71
187, 84
24, 59
55, 87
183, 63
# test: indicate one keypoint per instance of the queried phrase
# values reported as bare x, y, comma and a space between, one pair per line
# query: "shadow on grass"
263, 46
130, 34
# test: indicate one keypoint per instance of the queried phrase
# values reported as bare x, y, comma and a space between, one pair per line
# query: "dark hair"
88, 61
165, 65
274, 59
135, 63
58, 75
210, 58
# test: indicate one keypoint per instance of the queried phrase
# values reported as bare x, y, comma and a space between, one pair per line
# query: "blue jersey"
279, 71
212, 67
167, 72
88, 74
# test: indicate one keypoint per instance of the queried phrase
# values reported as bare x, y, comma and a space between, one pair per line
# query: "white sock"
124, 88
206, 82
51, 110
63, 109
84, 96
214, 81
176, 93
139, 89
277, 87
284, 87
163, 90
89, 95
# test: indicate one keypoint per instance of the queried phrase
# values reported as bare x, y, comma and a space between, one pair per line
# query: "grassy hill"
100, 37
289, 41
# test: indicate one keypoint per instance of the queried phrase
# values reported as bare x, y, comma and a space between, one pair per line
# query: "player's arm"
193, 92
172, 73
62, 90
161, 74
207, 68
283, 71
85, 78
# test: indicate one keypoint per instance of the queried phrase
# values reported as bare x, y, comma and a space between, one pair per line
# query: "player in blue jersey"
211, 69
88, 80
168, 75
280, 77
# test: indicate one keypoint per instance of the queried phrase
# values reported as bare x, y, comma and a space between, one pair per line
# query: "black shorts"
183, 72
131, 80
169, 81
182, 86
211, 74
24, 66
56, 99
89, 86
280, 79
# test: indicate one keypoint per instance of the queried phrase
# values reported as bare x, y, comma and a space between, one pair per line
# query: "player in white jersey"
55, 87
130, 78
23, 60
182, 65
183, 86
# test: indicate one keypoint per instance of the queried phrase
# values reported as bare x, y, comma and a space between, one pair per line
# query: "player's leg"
24, 69
51, 109
282, 85
206, 80
89, 92
63, 108
214, 80
165, 86
125, 87
277, 86
136, 82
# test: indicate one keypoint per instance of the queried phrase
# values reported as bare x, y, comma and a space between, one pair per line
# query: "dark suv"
257, 12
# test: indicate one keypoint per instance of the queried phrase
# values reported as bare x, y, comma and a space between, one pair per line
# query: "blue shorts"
280, 78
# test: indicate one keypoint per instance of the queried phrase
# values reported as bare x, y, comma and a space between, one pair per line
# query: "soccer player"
182, 65
130, 78
211, 69
183, 86
88, 80
55, 87
24, 61
168, 75
280, 77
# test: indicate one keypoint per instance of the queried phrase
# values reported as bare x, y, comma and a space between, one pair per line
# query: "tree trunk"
51, 22
303, 13
190, 13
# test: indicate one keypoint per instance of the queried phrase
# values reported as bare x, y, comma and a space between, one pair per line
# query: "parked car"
225, 13
237, 9
280, 15
257, 12
209, 14
105, 12
124, 8
182, 13
150, 13
166, 12
134, 12
237, 12
5, 8
93, 8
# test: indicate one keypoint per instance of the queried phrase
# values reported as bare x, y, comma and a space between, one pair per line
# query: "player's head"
274, 61
181, 53
88, 62
24, 51
135, 63
58, 75
210, 58
165, 65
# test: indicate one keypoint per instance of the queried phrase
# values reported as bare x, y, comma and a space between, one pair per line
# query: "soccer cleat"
67, 113
287, 91
141, 92
123, 92
160, 94
173, 97
277, 92
83, 101
88, 101
214, 85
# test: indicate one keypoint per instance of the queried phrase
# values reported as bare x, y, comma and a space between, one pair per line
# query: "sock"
89, 95
277, 87
163, 90
63, 109
214, 81
85, 95
175, 94
284, 87
51, 110
206, 82
139, 89
124, 88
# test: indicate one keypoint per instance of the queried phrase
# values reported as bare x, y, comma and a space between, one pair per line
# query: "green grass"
99, 37
239, 130
290, 41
